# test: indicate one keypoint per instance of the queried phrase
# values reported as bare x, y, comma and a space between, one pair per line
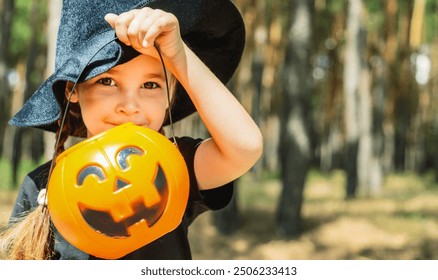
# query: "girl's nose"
128, 105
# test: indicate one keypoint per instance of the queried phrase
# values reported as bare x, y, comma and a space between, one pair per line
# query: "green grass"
5, 175
6, 181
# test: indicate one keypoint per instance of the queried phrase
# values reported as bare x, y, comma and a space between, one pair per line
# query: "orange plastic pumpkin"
118, 191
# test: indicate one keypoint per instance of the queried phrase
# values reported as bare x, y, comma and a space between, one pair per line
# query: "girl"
123, 81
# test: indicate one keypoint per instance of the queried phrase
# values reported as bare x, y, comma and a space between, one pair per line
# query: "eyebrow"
155, 75
159, 75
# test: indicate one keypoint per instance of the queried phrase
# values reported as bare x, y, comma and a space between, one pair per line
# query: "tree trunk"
295, 143
380, 98
389, 51
13, 134
369, 157
6, 14
52, 31
420, 118
352, 74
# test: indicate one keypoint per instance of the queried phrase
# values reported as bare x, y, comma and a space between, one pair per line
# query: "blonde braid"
28, 237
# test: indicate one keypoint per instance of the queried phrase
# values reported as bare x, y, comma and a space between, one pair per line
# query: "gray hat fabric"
86, 47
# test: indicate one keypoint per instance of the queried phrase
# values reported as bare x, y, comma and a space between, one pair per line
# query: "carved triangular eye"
160, 179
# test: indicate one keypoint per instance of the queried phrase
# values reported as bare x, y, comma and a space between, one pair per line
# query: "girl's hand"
142, 28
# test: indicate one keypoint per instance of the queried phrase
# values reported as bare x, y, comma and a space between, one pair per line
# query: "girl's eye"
106, 82
150, 85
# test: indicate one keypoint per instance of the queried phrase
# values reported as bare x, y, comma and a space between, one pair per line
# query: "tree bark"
352, 74
389, 50
7, 9
52, 31
295, 143
370, 137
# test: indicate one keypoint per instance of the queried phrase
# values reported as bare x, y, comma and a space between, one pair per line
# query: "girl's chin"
108, 126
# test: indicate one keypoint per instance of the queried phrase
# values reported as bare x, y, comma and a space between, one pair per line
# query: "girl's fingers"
159, 26
141, 28
120, 25
143, 23
111, 19
150, 33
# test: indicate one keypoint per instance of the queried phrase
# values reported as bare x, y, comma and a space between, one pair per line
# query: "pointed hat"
213, 29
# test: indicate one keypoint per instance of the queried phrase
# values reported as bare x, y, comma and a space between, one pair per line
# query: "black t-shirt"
171, 246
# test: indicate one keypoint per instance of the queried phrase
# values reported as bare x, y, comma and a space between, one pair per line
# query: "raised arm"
236, 142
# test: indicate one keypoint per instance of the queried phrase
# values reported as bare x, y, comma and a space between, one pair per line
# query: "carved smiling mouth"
103, 222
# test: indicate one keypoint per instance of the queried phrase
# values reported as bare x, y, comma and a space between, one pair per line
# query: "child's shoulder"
40, 175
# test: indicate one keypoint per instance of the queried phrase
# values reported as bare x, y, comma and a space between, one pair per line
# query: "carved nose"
121, 184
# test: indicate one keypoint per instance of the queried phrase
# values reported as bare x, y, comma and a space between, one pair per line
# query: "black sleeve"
28, 193
201, 201
26, 198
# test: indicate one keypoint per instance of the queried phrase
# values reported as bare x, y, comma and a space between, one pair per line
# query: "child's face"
131, 92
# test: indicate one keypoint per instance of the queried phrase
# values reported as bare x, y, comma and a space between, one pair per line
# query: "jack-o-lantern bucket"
118, 191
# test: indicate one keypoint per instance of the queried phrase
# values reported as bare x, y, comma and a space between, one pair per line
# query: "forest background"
346, 95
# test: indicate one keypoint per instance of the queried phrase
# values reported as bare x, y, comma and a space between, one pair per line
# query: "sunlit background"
345, 93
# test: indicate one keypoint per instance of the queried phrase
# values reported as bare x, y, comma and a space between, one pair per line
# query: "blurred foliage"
6, 171
431, 20
26, 23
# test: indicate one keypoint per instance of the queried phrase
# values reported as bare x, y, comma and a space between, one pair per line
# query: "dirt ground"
400, 224
341, 238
